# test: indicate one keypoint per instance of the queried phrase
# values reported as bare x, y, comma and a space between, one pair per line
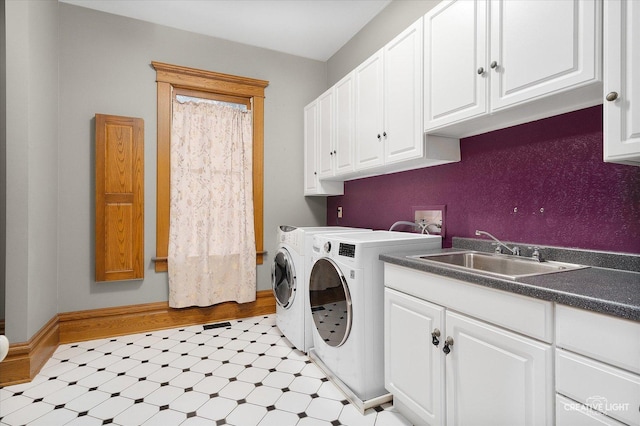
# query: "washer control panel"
347, 250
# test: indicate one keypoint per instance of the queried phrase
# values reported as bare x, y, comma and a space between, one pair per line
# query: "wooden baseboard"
25, 360
109, 322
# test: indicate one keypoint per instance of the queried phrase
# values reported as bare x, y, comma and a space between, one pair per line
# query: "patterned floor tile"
242, 372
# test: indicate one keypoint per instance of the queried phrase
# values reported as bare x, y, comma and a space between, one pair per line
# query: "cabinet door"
455, 62
542, 47
496, 377
344, 124
369, 139
310, 141
621, 69
414, 367
402, 130
325, 135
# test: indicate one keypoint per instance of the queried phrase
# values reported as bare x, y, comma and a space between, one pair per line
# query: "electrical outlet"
339, 212
432, 217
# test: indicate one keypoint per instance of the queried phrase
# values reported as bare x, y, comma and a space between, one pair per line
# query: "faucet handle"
537, 255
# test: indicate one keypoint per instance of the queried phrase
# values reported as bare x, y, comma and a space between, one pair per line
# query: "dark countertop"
608, 291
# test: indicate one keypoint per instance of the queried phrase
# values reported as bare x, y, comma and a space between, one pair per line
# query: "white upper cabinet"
539, 47
389, 102
344, 124
454, 68
317, 135
369, 113
489, 65
389, 114
326, 139
621, 71
310, 142
371, 121
402, 130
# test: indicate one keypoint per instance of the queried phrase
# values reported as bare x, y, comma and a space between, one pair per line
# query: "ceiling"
313, 29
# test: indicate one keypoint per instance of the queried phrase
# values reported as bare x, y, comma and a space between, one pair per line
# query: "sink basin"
499, 265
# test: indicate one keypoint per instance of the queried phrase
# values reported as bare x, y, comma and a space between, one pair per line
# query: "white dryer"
346, 296
289, 278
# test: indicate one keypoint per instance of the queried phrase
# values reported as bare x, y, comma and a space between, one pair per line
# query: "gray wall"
31, 165
105, 68
65, 64
3, 158
393, 19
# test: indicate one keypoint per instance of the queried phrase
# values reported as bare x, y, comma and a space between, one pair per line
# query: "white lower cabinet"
512, 359
446, 367
414, 367
597, 367
496, 377
571, 413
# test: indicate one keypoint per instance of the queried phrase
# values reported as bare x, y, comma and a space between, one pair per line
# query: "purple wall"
555, 164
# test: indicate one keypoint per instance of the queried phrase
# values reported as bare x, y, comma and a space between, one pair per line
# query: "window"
175, 80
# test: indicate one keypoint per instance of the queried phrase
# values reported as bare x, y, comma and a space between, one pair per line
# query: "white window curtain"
212, 250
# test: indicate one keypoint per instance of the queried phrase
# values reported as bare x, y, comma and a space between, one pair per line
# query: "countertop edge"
603, 306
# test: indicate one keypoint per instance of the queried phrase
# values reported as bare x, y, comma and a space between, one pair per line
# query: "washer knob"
327, 247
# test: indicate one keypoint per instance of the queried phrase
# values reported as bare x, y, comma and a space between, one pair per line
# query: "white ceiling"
313, 29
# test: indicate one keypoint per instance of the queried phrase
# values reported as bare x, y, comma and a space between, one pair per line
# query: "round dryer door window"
283, 278
330, 302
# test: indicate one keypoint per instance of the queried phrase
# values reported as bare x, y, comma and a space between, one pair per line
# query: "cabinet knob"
447, 343
494, 65
379, 136
434, 337
330, 152
335, 152
480, 71
611, 96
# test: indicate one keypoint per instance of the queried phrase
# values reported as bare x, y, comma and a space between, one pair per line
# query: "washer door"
283, 278
330, 302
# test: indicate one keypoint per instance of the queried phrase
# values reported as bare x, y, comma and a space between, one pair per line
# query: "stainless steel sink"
499, 265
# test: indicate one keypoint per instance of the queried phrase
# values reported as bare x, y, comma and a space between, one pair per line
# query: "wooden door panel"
119, 198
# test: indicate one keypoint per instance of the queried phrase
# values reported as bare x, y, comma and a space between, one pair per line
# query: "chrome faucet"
514, 251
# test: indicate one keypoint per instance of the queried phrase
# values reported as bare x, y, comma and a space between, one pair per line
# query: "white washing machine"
289, 278
346, 296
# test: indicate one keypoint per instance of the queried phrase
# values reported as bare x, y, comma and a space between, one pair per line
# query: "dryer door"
330, 302
283, 278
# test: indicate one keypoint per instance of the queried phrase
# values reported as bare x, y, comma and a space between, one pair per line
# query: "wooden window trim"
172, 78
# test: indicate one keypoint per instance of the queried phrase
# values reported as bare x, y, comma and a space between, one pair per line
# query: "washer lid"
283, 278
330, 302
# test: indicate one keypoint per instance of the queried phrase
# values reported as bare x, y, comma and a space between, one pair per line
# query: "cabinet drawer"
610, 390
571, 413
609, 339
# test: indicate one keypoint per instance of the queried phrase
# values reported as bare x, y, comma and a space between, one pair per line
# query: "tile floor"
242, 373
